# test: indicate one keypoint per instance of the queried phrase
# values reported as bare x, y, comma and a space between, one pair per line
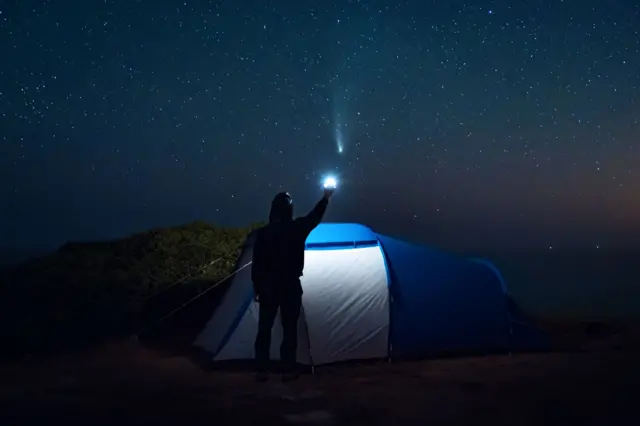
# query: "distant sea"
9, 257
585, 283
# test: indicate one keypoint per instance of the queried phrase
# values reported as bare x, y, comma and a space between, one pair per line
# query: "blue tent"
372, 296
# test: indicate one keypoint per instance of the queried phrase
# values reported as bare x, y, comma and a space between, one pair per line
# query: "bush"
90, 290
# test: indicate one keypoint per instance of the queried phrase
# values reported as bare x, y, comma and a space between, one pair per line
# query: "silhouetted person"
278, 262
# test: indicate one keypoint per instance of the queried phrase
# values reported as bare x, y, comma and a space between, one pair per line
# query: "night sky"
461, 124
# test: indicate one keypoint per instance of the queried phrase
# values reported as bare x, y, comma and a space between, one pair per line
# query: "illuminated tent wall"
372, 296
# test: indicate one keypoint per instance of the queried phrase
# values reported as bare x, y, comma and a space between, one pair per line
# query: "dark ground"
124, 382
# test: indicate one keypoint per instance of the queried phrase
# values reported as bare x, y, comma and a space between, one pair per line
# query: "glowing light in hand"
330, 183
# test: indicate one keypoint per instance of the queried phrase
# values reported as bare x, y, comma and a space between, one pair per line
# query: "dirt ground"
126, 383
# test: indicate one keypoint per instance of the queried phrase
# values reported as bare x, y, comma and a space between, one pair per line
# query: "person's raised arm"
310, 221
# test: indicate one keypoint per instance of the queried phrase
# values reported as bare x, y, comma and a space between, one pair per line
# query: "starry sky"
458, 123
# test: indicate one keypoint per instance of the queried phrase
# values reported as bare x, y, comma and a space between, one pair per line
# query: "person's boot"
289, 377
261, 373
289, 373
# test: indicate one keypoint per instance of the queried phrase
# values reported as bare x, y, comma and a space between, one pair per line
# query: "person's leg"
268, 309
289, 313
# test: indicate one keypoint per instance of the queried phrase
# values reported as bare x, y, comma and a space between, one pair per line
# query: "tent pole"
304, 316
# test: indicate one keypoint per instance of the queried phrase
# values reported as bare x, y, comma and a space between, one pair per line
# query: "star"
465, 125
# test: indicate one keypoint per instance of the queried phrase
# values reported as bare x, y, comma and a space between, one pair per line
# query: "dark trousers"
289, 306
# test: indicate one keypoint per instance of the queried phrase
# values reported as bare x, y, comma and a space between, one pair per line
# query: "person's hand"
256, 298
328, 192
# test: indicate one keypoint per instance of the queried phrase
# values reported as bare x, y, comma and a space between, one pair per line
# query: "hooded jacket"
278, 251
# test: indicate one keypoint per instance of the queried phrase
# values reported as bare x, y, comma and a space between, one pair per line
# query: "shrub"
89, 290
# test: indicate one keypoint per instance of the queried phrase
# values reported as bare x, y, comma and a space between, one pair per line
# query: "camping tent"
372, 296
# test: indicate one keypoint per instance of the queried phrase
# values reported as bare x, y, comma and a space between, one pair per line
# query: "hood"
281, 208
